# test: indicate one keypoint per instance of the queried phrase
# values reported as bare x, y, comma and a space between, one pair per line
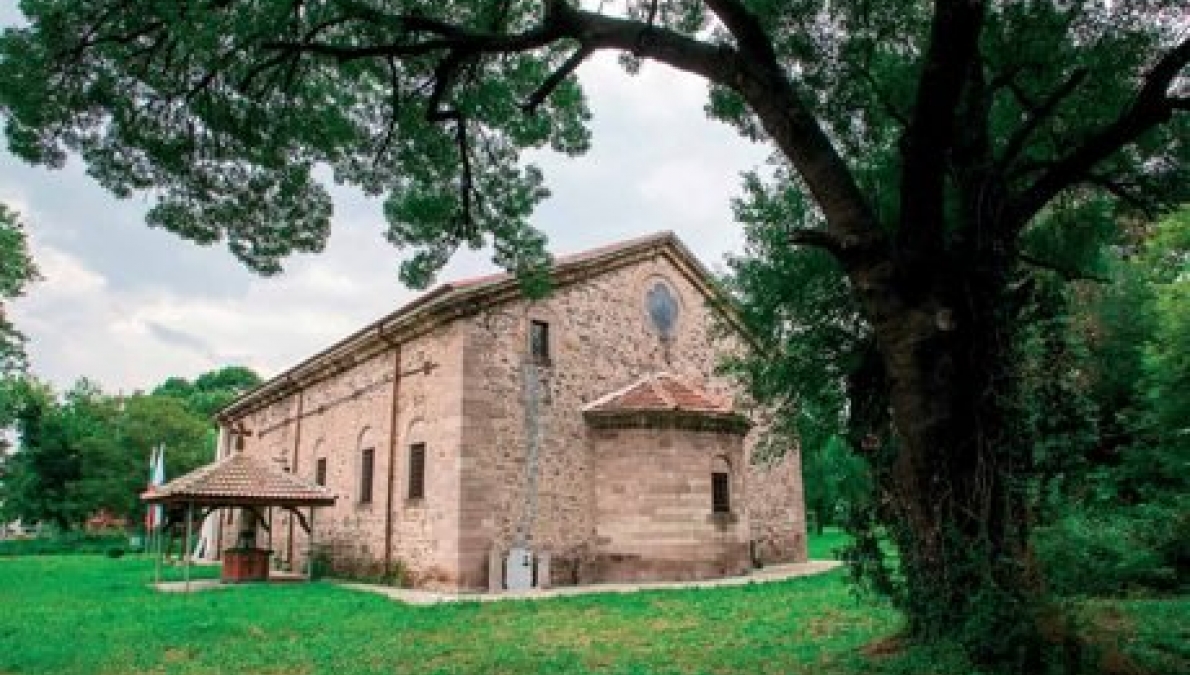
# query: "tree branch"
750, 36
556, 78
816, 238
844, 249
752, 70
954, 39
1040, 113
1121, 192
1150, 108
1065, 272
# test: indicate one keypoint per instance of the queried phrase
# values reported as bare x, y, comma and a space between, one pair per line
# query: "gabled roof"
664, 399
240, 480
458, 298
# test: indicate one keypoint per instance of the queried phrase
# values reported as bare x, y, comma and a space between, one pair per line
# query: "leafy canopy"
224, 109
16, 272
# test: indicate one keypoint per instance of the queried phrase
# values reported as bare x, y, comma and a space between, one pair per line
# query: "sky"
128, 306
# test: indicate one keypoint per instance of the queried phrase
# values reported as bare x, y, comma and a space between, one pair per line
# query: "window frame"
415, 488
320, 471
545, 357
367, 475
720, 492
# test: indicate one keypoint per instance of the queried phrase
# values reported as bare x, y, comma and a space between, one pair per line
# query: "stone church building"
478, 439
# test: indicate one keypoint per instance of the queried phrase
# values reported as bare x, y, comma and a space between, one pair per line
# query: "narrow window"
539, 342
417, 471
320, 471
365, 476
720, 492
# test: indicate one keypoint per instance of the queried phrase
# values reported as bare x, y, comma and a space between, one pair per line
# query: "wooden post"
157, 555
186, 552
310, 550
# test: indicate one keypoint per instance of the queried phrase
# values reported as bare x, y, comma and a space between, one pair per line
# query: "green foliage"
229, 128
71, 543
1108, 552
16, 272
210, 391
89, 451
796, 305
1113, 486
925, 137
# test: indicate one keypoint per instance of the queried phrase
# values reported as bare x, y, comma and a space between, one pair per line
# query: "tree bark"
944, 333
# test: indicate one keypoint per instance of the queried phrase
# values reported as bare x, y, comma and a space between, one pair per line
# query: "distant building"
480, 439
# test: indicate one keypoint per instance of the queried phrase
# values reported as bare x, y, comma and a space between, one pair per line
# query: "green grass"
826, 546
95, 615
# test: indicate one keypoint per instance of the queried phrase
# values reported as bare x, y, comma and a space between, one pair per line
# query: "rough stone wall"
470, 412
341, 416
653, 516
776, 509
601, 341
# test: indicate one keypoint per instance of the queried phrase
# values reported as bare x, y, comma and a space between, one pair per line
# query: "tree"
930, 137
210, 391
86, 451
16, 272
44, 478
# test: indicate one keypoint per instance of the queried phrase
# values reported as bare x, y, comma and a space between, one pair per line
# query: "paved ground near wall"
764, 575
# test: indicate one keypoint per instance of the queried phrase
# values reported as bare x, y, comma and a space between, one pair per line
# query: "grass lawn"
95, 615
825, 546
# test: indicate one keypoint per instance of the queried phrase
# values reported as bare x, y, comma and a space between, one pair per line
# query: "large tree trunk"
955, 504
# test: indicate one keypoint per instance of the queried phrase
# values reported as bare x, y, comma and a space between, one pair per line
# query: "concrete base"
765, 575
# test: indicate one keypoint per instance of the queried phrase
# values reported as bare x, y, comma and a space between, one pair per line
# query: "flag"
156, 477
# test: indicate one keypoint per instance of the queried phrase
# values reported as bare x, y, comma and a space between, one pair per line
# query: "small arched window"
721, 486
367, 466
319, 462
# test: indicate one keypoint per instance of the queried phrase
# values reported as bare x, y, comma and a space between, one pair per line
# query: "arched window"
661, 304
319, 462
720, 486
367, 466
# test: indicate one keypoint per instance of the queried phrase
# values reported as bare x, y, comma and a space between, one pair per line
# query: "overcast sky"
128, 306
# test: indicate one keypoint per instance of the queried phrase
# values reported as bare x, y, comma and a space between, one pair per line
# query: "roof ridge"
584, 262
662, 393
617, 393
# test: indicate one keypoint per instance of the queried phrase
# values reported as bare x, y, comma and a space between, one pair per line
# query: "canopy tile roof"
660, 391
239, 479
663, 398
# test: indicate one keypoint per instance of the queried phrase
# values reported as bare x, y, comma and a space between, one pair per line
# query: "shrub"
64, 544
1110, 552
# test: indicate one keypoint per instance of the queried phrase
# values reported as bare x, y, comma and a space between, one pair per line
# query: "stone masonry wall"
653, 506
343, 415
601, 341
776, 510
470, 411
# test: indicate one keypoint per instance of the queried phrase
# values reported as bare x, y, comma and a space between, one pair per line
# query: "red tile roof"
240, 479
660, 391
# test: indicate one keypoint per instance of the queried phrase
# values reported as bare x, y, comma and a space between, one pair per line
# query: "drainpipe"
297, 442
392, 451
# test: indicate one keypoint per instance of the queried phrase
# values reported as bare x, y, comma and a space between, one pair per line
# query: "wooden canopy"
239, 480
242, 482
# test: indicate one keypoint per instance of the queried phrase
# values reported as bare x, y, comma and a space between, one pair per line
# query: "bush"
1111, 552
64, 544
